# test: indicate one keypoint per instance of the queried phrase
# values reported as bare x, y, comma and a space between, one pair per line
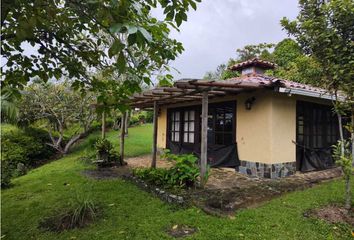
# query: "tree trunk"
341, 135
73, 140
103, 125
126, 124
122, 135
352, 135
348, 198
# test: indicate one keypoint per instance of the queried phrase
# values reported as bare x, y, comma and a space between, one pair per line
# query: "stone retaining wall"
263, 170
161, 193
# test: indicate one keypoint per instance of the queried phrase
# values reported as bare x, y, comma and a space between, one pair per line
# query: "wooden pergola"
191, 90
200, 90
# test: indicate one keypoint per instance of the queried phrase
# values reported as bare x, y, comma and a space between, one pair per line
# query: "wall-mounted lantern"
249, 102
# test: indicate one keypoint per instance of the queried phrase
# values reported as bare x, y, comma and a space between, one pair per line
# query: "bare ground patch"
333, 214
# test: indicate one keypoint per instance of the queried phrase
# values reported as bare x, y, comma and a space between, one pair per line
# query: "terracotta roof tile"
253, 62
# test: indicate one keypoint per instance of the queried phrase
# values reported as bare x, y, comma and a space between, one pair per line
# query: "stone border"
263, 170
161, 193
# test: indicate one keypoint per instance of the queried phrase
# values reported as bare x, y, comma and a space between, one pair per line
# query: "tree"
70, 39
9, 109
61, 109
261, 50
294, 65
325, 30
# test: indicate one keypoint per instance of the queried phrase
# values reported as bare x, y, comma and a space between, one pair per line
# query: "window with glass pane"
175, 126
317, 126
189, 126
221, 124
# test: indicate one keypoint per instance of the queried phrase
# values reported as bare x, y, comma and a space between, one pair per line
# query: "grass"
6, 128
138, 142
129, 213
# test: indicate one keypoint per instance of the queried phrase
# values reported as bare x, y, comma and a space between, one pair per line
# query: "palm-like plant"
9, 109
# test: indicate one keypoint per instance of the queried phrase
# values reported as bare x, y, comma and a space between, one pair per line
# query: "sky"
219, 27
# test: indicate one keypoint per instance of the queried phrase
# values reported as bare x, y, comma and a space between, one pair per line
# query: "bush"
183, 174
134, 120
106, 156
82, 213
149, 116
18, 148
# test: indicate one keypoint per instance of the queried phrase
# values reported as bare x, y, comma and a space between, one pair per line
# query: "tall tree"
294, 65
325, 30
69, 38
61, 109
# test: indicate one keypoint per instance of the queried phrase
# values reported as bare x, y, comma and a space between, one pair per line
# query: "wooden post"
103, 125
154, 142
122, 135
204, 139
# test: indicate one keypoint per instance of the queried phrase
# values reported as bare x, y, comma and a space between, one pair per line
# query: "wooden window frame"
213, 111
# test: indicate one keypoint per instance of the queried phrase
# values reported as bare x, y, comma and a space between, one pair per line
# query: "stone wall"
263, 170
161, 193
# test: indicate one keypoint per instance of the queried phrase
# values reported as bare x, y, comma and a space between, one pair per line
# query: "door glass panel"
191, 115
191, 137
191, 126
185, 137
176, 136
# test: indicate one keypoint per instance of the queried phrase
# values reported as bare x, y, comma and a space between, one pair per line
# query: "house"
261, 125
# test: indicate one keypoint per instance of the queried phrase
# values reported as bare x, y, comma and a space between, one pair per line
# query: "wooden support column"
204, 139
154, 142
122, 135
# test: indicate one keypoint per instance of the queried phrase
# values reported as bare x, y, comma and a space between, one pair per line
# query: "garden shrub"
183, 174
134, 120
81, 213
149, 116
26, 148
105, 153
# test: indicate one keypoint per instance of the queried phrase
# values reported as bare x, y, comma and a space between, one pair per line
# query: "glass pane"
185, 137
228, 125
219, 138
219, 125
191, 115
186, 126
176, 126
191, 126
191, 137
210, 137
301, 129
176, 136
227, 139
177, 116
210, 122
186, 116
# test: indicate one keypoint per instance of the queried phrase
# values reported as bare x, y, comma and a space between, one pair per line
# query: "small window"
189, 126
175, 126
221, 124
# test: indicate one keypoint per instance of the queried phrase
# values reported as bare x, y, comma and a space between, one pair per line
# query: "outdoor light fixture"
249, 102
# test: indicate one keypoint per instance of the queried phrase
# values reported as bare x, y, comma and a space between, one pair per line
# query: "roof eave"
308, 93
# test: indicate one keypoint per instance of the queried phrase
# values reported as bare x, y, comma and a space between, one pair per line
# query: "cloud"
218, 27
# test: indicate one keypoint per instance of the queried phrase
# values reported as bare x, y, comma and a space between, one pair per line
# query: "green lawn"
130, 213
